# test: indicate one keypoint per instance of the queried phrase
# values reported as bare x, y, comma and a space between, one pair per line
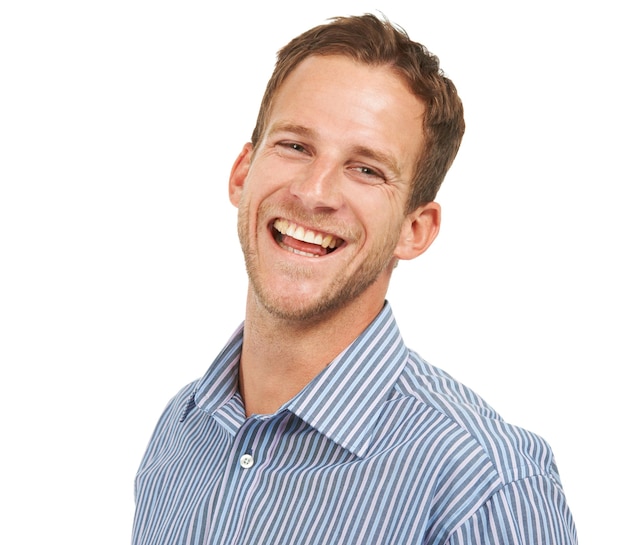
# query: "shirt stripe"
381, 447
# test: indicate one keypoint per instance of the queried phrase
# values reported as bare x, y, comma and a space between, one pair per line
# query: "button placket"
248, 439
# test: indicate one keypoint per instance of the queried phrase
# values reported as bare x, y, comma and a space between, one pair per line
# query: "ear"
419, 230
239, 173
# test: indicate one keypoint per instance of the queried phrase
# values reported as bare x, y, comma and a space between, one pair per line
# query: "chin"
311, 308
294, 309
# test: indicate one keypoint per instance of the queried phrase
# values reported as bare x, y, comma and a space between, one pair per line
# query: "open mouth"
298, 240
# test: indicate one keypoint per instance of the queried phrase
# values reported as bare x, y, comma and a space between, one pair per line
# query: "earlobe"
419, 230
239, 173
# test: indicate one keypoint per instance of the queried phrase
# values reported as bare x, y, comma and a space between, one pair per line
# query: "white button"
246, 461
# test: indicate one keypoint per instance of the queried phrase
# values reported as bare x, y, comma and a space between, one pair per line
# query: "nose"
318, 186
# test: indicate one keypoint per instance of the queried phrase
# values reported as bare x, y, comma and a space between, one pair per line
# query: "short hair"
377, 42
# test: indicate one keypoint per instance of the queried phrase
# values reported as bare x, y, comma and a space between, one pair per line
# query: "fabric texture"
380, 448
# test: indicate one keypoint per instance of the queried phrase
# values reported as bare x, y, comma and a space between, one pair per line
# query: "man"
315, 424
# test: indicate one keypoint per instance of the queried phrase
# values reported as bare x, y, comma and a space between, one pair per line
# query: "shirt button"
246, 461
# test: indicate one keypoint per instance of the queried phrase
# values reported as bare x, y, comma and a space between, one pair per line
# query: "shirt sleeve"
530, 511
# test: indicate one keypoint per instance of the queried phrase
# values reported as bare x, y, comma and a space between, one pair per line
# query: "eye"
371, 174
292, 146
367, 170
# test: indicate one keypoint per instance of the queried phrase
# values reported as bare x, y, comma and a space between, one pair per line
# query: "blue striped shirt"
381, 447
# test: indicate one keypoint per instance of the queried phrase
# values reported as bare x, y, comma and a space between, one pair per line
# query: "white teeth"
309, 236
280, 225
291, 229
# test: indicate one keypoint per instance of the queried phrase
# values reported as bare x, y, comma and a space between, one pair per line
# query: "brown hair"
375, 41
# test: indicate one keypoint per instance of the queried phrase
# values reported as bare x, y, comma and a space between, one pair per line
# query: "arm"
530, 511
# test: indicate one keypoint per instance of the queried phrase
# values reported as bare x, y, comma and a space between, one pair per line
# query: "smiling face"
322, 198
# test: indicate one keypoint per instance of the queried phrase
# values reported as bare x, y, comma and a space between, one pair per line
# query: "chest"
282, 482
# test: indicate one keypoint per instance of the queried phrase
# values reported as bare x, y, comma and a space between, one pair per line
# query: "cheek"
378, 212
263, 182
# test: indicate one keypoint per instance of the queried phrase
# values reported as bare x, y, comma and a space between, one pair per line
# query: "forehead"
329, 69
342, 99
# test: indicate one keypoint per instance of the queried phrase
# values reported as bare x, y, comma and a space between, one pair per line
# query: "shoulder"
514, 452
167, 426
180, 403
527, 498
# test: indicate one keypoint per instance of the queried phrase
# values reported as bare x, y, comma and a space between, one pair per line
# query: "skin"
337, 158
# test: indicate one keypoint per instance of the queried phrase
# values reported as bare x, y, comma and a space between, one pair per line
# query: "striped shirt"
381, 447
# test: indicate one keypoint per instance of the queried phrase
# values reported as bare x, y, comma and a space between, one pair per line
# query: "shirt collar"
343, 401
221, 381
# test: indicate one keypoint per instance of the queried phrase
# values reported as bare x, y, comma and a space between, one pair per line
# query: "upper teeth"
306, 235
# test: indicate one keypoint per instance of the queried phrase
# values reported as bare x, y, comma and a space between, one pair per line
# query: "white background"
121, 275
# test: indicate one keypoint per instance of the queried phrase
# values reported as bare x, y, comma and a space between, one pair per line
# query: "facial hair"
344, 288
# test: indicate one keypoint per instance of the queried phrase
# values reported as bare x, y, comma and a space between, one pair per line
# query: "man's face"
322, 198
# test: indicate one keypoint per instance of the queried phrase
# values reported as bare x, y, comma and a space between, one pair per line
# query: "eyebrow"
380, 157
291, 127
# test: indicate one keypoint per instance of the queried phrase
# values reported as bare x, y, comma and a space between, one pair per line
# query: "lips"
296, 239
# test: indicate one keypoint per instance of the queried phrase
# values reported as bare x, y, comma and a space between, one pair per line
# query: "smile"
306, 242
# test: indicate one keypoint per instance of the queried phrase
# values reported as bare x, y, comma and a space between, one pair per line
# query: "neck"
280, 357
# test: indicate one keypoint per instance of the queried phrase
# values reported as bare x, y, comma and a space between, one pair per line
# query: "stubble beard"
343, 290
